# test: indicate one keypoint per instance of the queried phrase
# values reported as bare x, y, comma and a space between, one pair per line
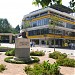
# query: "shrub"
10, 52
37, 53
66, 62
1, 47
9, 60
2, 67
57, 55
42, 69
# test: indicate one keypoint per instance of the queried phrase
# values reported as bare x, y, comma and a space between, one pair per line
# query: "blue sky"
14, 10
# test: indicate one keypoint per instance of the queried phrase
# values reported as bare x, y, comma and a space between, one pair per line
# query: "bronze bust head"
24, 35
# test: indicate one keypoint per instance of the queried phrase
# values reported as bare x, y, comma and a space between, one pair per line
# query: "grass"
1, 47
35, 60
2, 67
37, 53
62, 60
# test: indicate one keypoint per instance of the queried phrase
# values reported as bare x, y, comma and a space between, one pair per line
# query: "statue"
22, 45
24, 35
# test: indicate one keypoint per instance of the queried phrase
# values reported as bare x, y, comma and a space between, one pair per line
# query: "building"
44, 25
7, 38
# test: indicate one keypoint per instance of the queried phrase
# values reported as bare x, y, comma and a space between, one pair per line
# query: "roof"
62, 8
7, 34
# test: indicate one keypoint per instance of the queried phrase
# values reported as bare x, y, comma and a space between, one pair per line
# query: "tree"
72, 4
53, 21
17, 29
5, 27
44, 68
45, 3
25, 25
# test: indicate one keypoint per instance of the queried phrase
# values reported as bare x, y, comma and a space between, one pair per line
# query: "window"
34, 24
71, 26
44, 21
27, 18
44, 13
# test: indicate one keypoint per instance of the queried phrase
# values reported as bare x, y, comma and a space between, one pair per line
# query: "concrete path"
17, 69
67, 51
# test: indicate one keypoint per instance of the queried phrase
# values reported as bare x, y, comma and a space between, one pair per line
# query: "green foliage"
16, 30
66, 62
9, 60
45, 3
27, 69
37, 53
5, 27
57, 55
10, 52
62, 59
35, 59
72, 4
43, 69
26, 25
1, 47
2, 67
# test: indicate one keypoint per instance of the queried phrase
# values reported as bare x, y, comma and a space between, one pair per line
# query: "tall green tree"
5, 26
17, 29
45, 3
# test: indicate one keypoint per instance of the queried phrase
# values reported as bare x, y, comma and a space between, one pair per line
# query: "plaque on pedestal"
22, 46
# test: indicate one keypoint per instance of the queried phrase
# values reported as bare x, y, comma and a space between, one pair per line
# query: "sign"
22, 43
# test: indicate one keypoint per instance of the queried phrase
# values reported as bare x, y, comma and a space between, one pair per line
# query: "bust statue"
24, 35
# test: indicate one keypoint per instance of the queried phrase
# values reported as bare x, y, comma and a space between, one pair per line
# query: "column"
0, 38
40, 42
49, 42
10, 38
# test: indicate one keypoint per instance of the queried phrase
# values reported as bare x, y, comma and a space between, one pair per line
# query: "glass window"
44, 13
27, 18
34, 24
71, 26
44, 21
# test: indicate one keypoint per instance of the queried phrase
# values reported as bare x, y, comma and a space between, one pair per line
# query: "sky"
14, 10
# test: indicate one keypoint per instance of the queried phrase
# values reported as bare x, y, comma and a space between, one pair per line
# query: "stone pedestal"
22, 49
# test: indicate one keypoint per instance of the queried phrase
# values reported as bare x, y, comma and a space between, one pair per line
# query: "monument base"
22, 49
22, 59
22, 54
